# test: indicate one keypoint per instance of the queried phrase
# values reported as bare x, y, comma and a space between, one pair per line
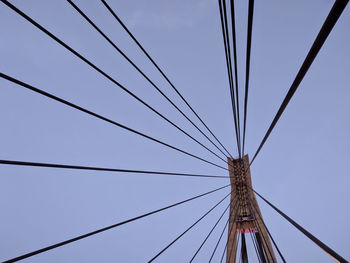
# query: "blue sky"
303, 168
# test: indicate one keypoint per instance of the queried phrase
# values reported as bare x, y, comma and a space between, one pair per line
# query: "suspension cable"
161, 72
332, 18
222, 233
232, 87
223, 19
211, 230
139, 70
25, 85
109, 227
103, 73
272, 239
318, 242
249, 43
90, 168
189, 228
233, 23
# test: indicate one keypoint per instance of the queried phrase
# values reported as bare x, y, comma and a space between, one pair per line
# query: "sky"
302, 169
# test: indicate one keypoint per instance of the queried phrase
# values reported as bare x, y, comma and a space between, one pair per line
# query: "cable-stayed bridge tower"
245, 216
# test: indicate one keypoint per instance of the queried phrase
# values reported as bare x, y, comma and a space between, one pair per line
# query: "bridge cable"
25, 85
211, 230
188, 229
232, 86
332, 18
90, 168
323, 246
272, 239
249, 43
234, 45
223, 19
222, 233
103, 73
255, 247
140, 71
229, 234
109, 227
161, 72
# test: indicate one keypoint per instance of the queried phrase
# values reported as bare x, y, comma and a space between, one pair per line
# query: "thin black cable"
232, 89
264, 241
229, 71
249, 44
108, 227
255, 247
233, 23
272, 239
103, 73
140, 71
211, 230
318, 242
161, 72
189, 228
217, 243
229, 234
25, 85
244, 254
222, 233
90, 168
332, 18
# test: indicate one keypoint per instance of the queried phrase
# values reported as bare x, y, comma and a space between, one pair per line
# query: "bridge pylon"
245, 216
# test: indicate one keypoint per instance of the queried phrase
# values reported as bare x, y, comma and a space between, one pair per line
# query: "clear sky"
303, 168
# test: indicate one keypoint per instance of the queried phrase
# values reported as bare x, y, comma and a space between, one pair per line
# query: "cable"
188, 229
318, 242
211, 230
229, 234
232, 90
108, 227
265, 248
332, 18
103, 73
255, 247
249, 43
140, 71
25, 85
223, 19
217, 243
222, 233
233, 23
161, 72
64, 166
273, 241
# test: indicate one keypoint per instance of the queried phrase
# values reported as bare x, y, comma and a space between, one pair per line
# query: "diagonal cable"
46, 94
161, 72
189, 228
102, 73
90, 168
234, 49
211, 230
272, 239
109, 227
223, 19
327, 27
249, 44
318, 242
140, 71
